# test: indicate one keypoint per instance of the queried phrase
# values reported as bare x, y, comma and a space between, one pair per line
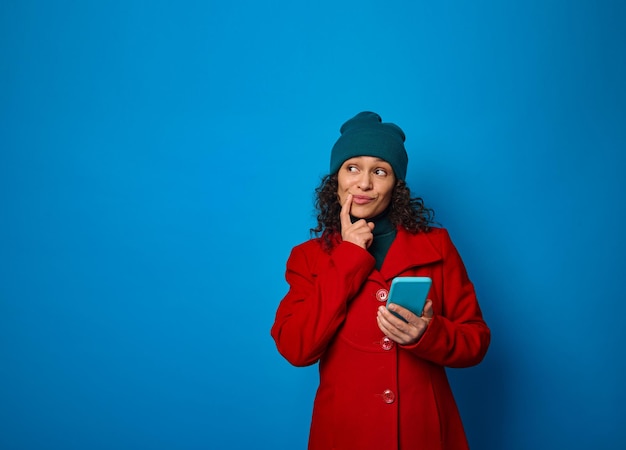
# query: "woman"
382, 380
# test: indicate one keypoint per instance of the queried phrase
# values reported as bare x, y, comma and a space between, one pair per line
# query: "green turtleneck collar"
384, 234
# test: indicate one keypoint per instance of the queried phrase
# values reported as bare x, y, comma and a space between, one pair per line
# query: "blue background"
158, 163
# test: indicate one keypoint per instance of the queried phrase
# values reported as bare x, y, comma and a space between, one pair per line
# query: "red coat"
373, 393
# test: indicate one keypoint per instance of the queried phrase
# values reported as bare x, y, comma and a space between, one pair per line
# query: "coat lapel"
408, 251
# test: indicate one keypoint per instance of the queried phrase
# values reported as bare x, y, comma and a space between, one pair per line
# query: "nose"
365, 181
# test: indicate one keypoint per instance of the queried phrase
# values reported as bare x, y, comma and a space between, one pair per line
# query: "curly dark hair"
406, 211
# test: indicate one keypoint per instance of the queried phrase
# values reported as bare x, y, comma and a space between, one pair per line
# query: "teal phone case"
409, 292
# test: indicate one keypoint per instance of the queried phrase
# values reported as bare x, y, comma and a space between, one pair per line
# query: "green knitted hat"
366, 135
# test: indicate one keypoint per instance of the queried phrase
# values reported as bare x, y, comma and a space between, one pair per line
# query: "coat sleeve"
315, 305
458, 337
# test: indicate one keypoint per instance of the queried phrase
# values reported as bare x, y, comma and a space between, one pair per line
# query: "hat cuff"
370, 143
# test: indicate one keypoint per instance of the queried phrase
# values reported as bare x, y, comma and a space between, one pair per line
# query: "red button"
382, 295
386, 343
389, 396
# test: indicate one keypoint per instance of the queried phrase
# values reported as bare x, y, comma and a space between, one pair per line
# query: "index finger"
345, 212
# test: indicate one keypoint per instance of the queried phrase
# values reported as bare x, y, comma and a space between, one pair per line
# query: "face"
370, 180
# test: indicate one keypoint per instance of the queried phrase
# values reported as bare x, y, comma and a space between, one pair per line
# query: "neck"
382, 224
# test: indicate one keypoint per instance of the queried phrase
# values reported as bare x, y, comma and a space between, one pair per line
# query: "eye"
352, 169
380, 172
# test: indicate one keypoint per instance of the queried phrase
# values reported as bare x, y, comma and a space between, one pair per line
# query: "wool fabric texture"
367, 135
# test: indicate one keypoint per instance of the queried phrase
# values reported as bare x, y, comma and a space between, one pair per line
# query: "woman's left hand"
400, 331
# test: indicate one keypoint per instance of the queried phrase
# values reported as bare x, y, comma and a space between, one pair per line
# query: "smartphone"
409, 292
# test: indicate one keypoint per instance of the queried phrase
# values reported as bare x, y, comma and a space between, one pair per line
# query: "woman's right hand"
359, 232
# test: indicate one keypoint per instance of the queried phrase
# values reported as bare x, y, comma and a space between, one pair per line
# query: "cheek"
386, 190
342, 188
341, 193
386, 197
386, 201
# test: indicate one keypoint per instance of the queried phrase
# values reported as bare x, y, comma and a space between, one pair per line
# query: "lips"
362, 199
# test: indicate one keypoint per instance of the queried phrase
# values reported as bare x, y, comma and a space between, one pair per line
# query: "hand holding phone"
410, 293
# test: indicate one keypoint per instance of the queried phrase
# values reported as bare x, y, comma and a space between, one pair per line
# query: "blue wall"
158, 162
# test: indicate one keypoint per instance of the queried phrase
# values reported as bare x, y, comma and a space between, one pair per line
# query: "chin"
363, 214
